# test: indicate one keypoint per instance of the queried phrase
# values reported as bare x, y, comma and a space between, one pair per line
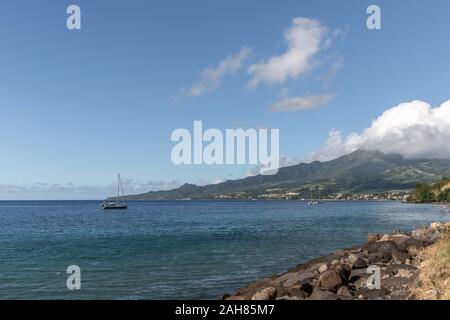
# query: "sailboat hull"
114, 207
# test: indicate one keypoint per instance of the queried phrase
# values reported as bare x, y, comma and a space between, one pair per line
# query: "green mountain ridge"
357, 172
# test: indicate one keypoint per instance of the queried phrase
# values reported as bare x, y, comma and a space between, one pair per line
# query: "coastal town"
273, 195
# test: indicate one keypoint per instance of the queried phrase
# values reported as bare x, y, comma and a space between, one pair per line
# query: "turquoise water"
178, 250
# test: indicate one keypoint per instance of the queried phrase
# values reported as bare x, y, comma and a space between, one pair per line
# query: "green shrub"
431, 193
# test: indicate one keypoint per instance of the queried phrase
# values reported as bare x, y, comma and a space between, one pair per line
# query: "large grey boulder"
383, 248
404, 242
298, 278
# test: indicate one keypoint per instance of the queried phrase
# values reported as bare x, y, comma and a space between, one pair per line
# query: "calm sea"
178, 250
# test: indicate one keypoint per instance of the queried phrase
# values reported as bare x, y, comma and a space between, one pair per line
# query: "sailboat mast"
118, 183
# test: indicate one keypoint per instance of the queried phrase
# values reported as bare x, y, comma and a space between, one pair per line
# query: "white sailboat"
109, 205
311, 201
318, 201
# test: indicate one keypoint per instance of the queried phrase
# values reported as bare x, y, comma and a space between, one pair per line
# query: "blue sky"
77, 107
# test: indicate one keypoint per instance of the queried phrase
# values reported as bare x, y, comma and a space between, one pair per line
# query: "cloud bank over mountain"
415, 130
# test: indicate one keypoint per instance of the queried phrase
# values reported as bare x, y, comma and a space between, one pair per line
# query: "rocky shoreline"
350, 273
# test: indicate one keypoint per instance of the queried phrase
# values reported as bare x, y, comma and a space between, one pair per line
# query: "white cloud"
305, 38
290, 104
218, 180
413, 129
210, 78
333, 148
72, 191
282, 160
334, 68
135, 187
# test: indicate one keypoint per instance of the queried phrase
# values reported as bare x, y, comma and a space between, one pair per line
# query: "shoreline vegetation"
412, 266
430, 193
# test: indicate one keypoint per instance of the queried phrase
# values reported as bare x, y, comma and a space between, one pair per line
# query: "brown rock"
323, 268
297, 291
235, 298
254, 287
436, 225
314, 267
431, 293
344, 271
376, 257
400, 240
372, 237
352, 258
301, 276
359, 264
339, 253
268, 293
404, 273
289, 298
367, 293
434, 237
285, 277
307, 287
384, 248
361, 282
411, 243
334, 262
358, 273
323, 295
399, 295
420, 234
344, 291
365, 253
331, 281
400, 257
